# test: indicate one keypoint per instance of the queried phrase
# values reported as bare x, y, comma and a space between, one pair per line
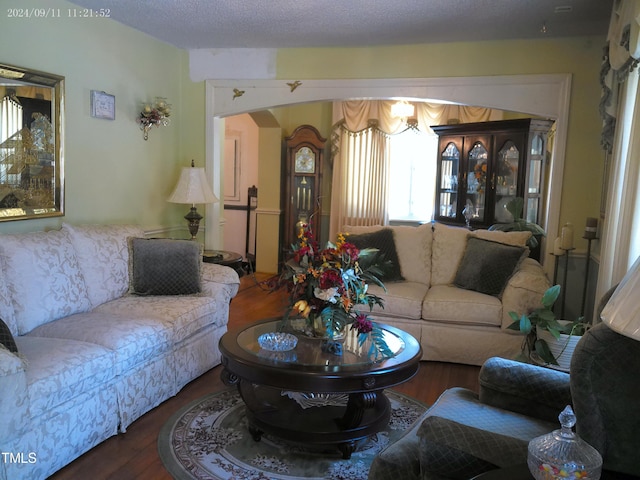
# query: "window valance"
621, 55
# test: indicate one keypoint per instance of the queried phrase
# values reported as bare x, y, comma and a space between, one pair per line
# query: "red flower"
351, 251
362, 324
330, 279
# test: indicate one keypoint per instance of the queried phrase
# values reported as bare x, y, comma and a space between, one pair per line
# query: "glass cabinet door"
448, 188
477, 171
506, 180
533, 191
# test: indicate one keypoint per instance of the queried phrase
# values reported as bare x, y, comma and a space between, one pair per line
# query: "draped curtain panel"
361, 158
360, 179
620, 108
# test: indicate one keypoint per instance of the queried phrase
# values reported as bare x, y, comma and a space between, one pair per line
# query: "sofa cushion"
185, 315
448, 248
132, 340
6, 305
487, 266
163, 266
103, 256
61, 369
445, 303
401, 299
6, 338
387, 256
518, 239
43, 277
413, 245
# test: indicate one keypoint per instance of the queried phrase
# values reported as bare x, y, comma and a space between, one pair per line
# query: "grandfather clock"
302, 182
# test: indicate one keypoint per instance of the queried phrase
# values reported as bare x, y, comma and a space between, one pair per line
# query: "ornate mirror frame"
31, 144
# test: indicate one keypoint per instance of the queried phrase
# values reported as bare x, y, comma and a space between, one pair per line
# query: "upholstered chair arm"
14, 399
527, 389
524, 290
218, 278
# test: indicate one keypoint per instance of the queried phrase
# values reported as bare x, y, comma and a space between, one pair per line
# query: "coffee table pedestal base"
341, 427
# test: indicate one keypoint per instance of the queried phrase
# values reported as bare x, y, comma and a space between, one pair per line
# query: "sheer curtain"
361, 154
620, 109
10, 124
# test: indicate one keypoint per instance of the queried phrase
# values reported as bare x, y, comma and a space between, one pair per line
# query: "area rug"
209, 439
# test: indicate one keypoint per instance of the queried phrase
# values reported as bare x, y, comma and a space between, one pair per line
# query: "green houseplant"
515, 207
534, 325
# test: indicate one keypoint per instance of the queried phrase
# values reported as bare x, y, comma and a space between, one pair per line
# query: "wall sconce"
193, 188
156, 114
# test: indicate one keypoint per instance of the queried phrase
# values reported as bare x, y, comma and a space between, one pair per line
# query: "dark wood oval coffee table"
312, 397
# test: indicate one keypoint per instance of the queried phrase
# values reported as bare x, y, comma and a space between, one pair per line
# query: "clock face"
305, 161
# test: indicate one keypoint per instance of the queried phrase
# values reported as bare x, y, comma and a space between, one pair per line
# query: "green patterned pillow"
487, 266
161, 266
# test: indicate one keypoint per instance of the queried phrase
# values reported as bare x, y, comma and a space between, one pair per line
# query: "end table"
224, 257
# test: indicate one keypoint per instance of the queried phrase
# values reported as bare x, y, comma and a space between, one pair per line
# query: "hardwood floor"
134, 454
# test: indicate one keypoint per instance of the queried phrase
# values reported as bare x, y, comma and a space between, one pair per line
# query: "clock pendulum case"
302, 183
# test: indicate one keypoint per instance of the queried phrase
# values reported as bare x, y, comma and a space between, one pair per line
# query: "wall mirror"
31, 144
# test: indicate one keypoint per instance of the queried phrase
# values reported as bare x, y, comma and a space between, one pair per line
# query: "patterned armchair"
464, 434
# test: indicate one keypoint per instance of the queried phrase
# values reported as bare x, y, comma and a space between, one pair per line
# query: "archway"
542, 95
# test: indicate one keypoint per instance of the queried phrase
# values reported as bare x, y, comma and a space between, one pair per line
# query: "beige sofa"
93, 357
454, 324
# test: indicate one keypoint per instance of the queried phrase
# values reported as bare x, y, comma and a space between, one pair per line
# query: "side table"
224, 257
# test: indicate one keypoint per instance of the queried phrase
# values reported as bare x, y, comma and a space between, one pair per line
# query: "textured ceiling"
194, 24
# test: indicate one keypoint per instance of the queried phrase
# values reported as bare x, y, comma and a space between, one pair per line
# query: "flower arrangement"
155, 114
328, 285
480, 174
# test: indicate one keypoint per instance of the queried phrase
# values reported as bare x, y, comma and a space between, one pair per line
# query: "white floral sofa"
454, 324
92, 357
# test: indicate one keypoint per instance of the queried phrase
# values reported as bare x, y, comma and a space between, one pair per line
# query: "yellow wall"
112, 174
578, 56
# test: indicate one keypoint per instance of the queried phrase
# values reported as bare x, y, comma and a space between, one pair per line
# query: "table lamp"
622, 312
193, 188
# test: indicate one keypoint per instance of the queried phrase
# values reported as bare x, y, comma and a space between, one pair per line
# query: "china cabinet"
482, 166
302, 182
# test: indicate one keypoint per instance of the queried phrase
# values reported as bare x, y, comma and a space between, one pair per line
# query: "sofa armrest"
14, 398
217, 279
524, 290
523, 388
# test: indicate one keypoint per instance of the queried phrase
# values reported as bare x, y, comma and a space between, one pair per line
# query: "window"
412, 176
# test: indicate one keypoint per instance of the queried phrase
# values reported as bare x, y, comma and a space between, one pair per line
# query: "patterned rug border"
174, 465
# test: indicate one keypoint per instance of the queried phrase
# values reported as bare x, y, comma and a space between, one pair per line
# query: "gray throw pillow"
487, 266
161, 266
6, 338
387, 257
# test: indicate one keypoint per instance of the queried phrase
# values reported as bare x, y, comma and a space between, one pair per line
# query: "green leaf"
515, 207
525, 324
550, 296
542, 349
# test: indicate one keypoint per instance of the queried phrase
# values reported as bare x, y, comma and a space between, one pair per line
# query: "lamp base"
193, 217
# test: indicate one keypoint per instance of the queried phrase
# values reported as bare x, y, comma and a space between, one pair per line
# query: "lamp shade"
192, 188
622, 312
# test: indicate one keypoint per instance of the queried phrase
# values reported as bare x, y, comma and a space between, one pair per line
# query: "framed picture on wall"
103, 105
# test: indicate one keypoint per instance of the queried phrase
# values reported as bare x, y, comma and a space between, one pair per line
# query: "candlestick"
591, 228
567, 236
557, 247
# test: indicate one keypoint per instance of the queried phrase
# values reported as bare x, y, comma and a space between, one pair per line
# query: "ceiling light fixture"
402, 109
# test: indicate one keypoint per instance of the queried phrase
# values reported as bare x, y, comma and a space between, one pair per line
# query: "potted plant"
515, 207
550, 340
